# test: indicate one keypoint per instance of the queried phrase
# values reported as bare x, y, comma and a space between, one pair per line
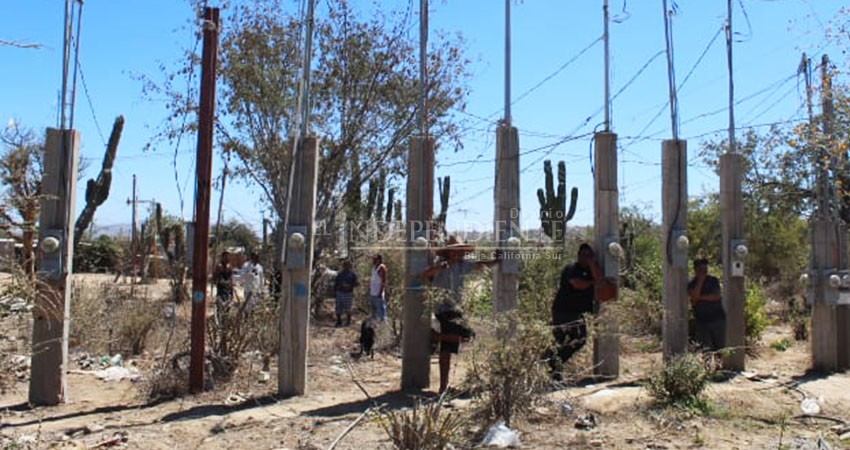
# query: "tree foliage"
777, 196
363, 101
21, 165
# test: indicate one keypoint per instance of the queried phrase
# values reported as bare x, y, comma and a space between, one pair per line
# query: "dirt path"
754, 410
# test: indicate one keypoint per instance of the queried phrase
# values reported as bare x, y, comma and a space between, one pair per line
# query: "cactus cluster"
376, 207
554, 214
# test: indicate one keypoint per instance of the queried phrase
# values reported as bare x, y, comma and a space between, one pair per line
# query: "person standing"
449, 274
344, 284
378, 288
573, 301
223, 279
704, 294
252, 282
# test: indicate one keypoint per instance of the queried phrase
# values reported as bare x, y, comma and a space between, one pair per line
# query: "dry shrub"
168, 380
514, 373
426, 426
139, 319
236, 331
112, 319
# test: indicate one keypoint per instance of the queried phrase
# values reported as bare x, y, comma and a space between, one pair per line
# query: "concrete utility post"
507, 226
674, 207
606, 345
830, 313
416, 336
416, 317
734, 248
506, 195
203, 189
299, 232
295, 310
56, 252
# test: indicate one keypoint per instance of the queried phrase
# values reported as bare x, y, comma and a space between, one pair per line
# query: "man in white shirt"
252, 282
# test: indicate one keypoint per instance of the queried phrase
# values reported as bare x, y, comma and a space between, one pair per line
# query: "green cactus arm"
573, 201
550, 185
562, 184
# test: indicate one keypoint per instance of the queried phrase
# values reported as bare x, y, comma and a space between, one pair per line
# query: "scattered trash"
117, 360
762, 377
567, 408
117, 373
338, 370
15, 304
26, 439
118, 438
499, 435
810, 406
264, 377
235, 398
801, 443
586, 422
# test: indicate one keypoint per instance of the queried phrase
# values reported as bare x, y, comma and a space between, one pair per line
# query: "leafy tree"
100, 255
237, 234
363, 98
776, 195
21, 165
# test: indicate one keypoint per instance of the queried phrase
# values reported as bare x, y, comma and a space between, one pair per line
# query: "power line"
557, 71
91, 105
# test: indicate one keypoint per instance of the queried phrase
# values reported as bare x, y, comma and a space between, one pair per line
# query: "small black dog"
367, 338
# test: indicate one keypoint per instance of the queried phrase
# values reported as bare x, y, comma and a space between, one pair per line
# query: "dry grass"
425, 426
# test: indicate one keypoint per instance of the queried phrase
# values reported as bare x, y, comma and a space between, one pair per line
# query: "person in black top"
704, 293
223, 279
574, 299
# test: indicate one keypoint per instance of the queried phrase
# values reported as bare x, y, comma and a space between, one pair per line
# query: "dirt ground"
758, 409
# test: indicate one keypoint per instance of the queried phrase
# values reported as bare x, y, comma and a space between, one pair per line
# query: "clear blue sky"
122, 39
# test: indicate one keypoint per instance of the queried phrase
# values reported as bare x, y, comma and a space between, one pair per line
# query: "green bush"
755, 313
540, 275
100, 255
681, 382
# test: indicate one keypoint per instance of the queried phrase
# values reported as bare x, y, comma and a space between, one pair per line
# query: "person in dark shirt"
346, 281
223, 278
704, 294
574, 299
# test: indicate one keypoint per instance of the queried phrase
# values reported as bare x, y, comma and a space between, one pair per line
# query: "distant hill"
113, 230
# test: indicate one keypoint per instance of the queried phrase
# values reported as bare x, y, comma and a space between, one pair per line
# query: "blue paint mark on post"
198, 296
300, 290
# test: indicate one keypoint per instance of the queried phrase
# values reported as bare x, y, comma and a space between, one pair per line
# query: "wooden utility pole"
732, 230
56, 253
203, 189
606, 345
298, 262
416, 334
674, 201
134, 235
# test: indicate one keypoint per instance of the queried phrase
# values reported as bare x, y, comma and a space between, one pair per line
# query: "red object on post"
203, 181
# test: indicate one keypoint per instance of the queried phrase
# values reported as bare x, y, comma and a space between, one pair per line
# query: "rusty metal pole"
202, 200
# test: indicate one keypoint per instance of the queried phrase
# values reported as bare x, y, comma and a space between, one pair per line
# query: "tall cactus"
553, 206
97, 191
390, 197
444, 184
